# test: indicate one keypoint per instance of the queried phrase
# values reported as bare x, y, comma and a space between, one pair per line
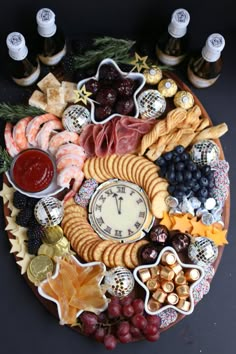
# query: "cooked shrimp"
12, 148
62, 138
70, 160
19, 133
46, 132
65, 177
33, 127
70, 149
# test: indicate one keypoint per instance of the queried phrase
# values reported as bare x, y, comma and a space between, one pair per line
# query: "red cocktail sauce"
33, 170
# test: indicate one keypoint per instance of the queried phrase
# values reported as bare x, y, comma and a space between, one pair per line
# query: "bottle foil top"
16, 46
214, 45
179, 22
46, 22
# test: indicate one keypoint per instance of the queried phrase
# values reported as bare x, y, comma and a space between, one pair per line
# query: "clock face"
119, 210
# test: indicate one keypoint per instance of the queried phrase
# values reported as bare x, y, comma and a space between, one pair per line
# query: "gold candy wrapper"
172, 299
167, 286
167, 87
144, 274
159, 295
154, 305
168, 258
40, 266
184, 99
192, 275
153, 75
167, 273
183, 291
183, 305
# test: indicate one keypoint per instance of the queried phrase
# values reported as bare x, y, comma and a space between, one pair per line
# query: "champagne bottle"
204, 69
24, 67
172, 45
51, 41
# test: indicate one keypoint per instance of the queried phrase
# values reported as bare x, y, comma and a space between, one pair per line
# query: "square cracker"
57, 110
55, 96
69, 88
38, 99
48, 81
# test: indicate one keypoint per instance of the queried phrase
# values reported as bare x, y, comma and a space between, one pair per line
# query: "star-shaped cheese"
218, 236
139, 62
23, 263
199, 229
82, 95
15, 246
14, 211
6, 193
20, 233
166, 220
182, 223
159, 263
23, 251
11, 224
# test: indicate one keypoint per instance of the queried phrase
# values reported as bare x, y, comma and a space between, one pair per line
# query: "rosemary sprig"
13, 113
105, 47
5, 160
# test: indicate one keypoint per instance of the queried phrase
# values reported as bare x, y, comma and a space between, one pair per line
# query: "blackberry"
19, 200
31, 202
33, 222
33, 245
24, 216
35, 232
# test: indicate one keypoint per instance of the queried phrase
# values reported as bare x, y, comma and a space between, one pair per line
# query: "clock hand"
119, 209
115, 196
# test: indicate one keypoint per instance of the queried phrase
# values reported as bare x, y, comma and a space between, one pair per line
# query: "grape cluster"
123, 321
184, 176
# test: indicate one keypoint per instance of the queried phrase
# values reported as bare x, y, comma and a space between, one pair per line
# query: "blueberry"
197, 174
179, 166
160, 161
185, 156
187, 175
171, 189
203, 181
179, 149
196, 187
206, 169
170, 176
202, 199
211, 184
167, 156
171, 167
181, 187
176, 158
203, 192
179, 177
191, 166
178, 194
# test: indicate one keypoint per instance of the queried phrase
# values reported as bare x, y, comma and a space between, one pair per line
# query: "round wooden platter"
50, 306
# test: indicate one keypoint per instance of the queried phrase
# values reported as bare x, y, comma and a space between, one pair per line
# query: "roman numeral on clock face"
120, 189
118, 233
139, 201
98, 207
137, 225
100, 221
108, 229
142, 214
109, 192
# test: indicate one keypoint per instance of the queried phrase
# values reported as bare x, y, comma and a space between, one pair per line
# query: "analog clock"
119, 211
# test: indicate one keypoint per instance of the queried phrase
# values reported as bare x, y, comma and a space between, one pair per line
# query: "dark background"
26, 327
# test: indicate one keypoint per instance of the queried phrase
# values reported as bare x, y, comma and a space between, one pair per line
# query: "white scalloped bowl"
134, 76
192, 286
44, 295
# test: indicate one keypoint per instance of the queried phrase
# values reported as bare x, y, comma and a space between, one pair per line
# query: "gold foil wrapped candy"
167, 87
153, 75
184, 99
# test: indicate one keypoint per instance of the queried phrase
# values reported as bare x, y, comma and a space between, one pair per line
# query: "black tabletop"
26, 326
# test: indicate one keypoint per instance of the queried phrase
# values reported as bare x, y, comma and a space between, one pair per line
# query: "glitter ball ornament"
202, 251
120, 281
75, 118
49, 211
152, 75
204, 152
151, 104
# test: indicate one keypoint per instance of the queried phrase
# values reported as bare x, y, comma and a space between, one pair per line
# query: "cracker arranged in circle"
141, 173
152, 169
98, 169
102, 168
137, 163
127, 256
98, 251
76, 209
158, 204
84, 251
69, 202
112, 253
91, 250
135, 251
110, 162
126, 162
106, 253
160, 186
118, 256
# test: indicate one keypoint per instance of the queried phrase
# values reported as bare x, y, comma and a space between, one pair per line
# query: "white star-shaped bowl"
184, 265
43, 294
132, 75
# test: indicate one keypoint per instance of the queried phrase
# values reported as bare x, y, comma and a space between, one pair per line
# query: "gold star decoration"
139, 63
82, 95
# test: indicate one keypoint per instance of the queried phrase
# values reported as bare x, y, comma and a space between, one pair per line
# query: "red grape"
89, 319
115, 299
138, 305
126, 338
128, 310
100, 334
154, 320
153, 338
110, 341
123, 328
139, 321
136, 333
150, 329
126, 300
114, 310
89, 329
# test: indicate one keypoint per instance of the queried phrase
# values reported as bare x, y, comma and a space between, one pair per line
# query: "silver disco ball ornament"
49, 211
205, 152
119, 281
151, 104
202, 251
75, 118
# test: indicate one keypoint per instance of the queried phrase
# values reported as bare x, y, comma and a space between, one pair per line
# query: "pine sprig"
5, 160
13, 113
105, 47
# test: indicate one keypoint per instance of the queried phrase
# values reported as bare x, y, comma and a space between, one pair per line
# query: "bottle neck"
18, 55
210, 55
176, 32
47, 31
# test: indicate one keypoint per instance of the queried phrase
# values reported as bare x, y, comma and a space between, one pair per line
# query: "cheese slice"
38, 100
48, 81
69, 88
55, 96
57, 110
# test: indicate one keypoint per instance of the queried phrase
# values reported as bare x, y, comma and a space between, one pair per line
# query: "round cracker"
76, 209
117, 171
102, 168
127, 256
118, 256
124, 165
93, 170
69, 202
106, 253
141, 172
130, 167
158, 204
152, 182
112, 253
98, 169
98, 251
135, 251
109, 165
148, 174
91, 250
160, 186
138, 162
85, 249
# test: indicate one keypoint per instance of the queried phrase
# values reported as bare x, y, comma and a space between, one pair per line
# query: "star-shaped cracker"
23, 263
7, 193
15, 246
11, 224
82, 95
139, 63
14, 211
184, 266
